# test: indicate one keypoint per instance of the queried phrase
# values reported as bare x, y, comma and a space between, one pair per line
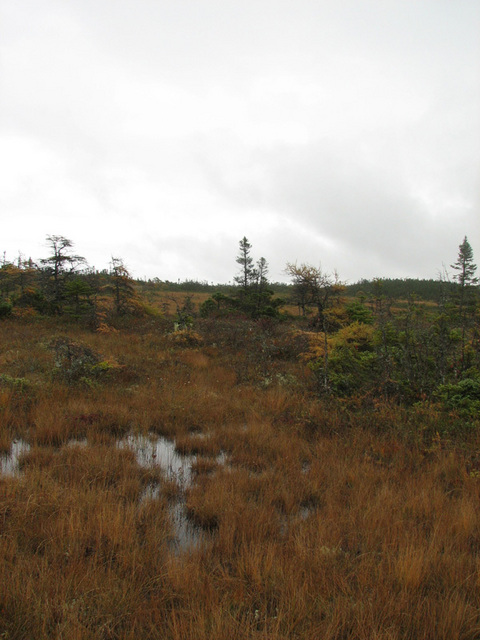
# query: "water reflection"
178, 467
187, 535
161, 452
9, 461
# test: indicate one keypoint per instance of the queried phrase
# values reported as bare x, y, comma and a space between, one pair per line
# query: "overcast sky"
341, 133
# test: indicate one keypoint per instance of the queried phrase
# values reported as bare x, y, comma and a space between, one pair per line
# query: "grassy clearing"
327, 520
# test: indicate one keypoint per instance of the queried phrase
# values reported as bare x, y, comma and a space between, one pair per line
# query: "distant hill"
397, 288
403, 288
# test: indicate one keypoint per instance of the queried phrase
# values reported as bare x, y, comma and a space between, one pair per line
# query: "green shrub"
19, 385
463, 396
5, 308
77, 363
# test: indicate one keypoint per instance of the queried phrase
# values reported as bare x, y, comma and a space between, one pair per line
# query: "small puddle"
222, 459
187, 535
161, 452
9, 461
178, 467
306, 511
77, 442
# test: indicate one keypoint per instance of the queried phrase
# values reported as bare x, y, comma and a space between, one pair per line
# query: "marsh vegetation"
301, 516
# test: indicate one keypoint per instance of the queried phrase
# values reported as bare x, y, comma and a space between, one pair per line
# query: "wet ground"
9, 461
158, 451
150, 452
154, 451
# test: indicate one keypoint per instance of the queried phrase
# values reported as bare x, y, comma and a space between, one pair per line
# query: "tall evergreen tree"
465, 276
247, 270
261, 273
252, 296
58, 268
262, 294
464, 266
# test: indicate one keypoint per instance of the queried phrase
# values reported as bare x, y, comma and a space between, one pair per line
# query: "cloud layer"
346, 133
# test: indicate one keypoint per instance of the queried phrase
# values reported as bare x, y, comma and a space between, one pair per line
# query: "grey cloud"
348, 211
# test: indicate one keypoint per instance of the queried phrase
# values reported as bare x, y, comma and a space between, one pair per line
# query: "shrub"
208, 308
463, 396
75, 362
185, 338
5, 308
17, 397
18, 385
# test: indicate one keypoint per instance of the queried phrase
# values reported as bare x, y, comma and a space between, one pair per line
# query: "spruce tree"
247, 271
465, 276
58, 269
464, 266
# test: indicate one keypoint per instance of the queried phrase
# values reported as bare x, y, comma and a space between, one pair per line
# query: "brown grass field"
311, 518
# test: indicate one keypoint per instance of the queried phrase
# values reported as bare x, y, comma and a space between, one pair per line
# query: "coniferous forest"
257, 460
